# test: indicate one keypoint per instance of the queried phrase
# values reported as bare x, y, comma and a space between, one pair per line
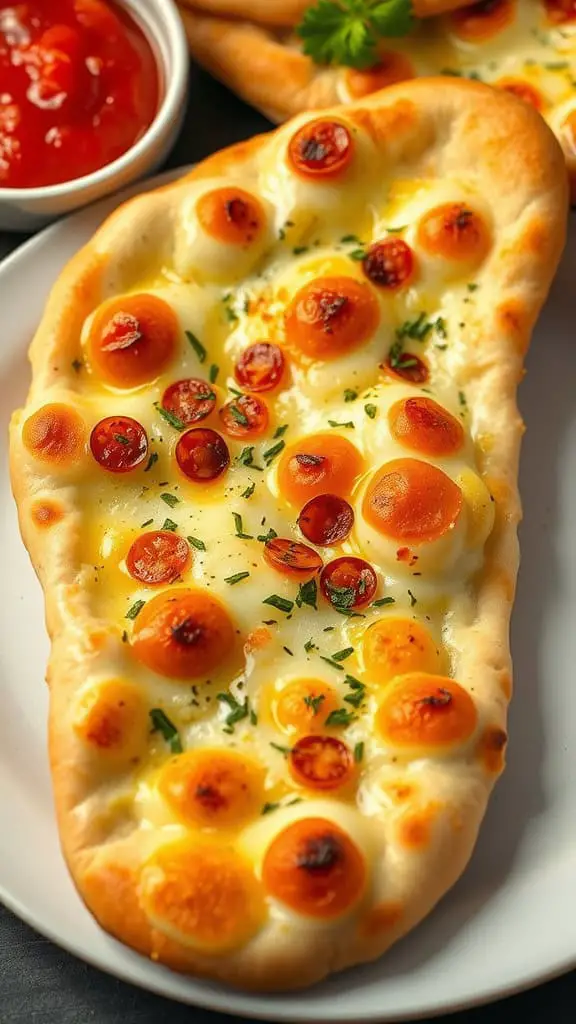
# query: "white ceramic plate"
511, 920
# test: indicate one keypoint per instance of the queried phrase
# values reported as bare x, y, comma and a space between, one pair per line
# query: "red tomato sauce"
79, 85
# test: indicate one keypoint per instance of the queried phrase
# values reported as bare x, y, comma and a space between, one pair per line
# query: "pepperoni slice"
331, 316
321, 762
559, 11
190, 400
159, 556
260, 367
132, 339
422, 424
392, 67
412, 501
348, 582
202, 454
523, 90
292, 558
483, 20
389, 264
314, 867
231, 215
321, 149
326, 520
119, 444
246, 416
455, 232
406, 366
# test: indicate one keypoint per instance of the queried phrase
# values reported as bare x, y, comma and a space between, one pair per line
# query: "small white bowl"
26, 209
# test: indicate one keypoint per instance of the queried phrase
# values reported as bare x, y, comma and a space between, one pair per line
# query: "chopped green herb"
268, 807
418, 329
440, 327
299, 249
162, 724
383, 601
353, 683
121, 438
370, 410
471, 286
396, 231
270, 454
238, 711
236, 578
462, 399
308, 594
124, 637
358, 752
246, 457
253, 717
170, 418
213, 373
281, 430
413, 600
170, 499
333, 664
281, 603
357, 254
151, 461
249, 491
135, 610
229, 313
310, 646
351, 238
341, 716
342, 655
197, 346
169, 524
341, 598
147, 523
350, 395
77, 365
239, 527
265, 537
198, 544
281, 749
234, 391
238, 415
356, 698
315, 702
288, 651
334, 423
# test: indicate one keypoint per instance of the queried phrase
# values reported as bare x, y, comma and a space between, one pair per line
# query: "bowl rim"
174, 68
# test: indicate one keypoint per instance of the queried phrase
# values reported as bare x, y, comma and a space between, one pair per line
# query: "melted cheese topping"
518, 45
295, 677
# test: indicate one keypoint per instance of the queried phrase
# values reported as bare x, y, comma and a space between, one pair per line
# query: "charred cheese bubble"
423, 713
111, 718
396, 646
301, 706
222, 232
483, 21
453, 238
213, 788
183, 634
315, 868
425, 427
412, 513
316, 465
391, 67
202, 895
330, 317
56, 434
132, 339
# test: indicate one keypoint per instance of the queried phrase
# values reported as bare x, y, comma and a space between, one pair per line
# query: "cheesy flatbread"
527, 47
267, 475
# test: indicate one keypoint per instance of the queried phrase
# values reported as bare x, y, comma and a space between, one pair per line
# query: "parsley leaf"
198, 544
347, 31
153, 458
340, 717
170, 418
308, 594
280, 603
135, 609
170, 499
315, 702
237, 711
196, 345
170, 525
162, 724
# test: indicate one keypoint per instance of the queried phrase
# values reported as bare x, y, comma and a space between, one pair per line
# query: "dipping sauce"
79, 85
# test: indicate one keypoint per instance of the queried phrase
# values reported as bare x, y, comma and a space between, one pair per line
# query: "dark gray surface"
41, 984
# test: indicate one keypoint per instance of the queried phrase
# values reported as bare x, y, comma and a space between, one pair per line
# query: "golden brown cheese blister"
266, 473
